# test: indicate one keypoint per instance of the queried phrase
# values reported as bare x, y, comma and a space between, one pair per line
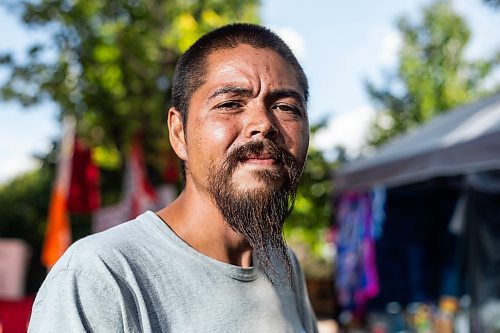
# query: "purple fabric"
357, 279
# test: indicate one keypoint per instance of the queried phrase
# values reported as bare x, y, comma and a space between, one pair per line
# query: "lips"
264, 158
259, 157
258, 153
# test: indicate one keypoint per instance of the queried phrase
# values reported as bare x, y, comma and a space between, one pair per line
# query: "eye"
287, 108
229, 105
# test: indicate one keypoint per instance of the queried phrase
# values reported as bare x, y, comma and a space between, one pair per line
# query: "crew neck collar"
244, 274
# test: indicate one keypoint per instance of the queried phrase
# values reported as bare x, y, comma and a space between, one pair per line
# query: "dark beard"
259, 215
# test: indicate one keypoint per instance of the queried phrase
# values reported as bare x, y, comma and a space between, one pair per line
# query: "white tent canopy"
460, 141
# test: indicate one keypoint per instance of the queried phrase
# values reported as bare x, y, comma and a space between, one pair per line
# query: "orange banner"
58, 232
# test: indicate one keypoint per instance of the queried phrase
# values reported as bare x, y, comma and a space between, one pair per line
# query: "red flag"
58, 232
138, 192
84, 196
15, 314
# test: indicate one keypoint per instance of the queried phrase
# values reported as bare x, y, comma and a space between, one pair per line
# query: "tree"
110, 64
23, 203
307, 226
433, 75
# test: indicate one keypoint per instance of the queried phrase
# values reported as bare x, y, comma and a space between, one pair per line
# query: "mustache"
257, 148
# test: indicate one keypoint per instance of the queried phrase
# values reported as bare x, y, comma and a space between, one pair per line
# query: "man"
215, 259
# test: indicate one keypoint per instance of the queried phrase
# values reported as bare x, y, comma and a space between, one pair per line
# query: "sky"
339, 44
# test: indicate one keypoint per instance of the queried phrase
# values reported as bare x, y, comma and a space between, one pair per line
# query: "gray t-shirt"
141, 277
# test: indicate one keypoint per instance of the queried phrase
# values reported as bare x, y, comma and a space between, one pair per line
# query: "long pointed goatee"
259, 214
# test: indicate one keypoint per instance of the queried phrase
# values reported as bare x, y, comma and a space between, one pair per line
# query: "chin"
257, 180
253, 187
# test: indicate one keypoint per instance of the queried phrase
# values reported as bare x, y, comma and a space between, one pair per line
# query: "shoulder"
100, 277
107, 248
94, 264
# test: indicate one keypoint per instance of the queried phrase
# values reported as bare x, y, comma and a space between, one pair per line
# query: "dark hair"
190, 71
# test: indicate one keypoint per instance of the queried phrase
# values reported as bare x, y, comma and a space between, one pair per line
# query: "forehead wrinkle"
254, 76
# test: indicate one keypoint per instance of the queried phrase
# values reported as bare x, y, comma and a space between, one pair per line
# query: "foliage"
306, 227
432, 76
110, 63
24, 204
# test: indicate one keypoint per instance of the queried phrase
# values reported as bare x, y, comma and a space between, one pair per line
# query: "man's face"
246, 140
249, 95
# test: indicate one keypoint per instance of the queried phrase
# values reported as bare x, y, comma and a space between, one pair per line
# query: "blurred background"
397, 220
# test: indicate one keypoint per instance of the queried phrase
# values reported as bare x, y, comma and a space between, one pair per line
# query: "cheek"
305, 137
304, 145
214, 135
299, 139
219, 133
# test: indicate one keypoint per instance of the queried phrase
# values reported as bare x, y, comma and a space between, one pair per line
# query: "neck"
197, 221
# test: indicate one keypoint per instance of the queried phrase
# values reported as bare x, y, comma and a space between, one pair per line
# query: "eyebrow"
230, 90
282, 93
275, 94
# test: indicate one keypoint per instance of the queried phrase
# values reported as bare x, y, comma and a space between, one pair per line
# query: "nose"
261, 122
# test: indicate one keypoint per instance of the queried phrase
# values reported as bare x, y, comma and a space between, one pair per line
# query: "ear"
176, 133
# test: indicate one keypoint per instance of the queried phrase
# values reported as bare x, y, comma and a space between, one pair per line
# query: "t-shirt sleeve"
75, 302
